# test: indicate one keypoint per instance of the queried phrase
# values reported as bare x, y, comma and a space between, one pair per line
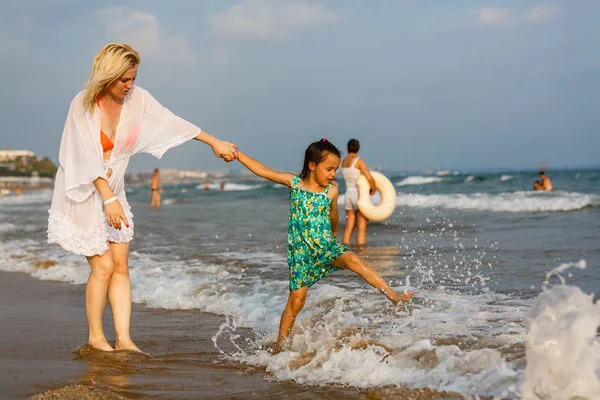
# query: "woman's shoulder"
349, 160
77, 105
138, 90
138, 93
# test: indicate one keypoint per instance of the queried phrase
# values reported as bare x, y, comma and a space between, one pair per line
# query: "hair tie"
324, 139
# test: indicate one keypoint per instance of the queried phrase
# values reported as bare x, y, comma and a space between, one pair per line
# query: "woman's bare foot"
100, 344
400, 298
128, 345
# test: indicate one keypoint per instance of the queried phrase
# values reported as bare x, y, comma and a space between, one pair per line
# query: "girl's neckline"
309, 191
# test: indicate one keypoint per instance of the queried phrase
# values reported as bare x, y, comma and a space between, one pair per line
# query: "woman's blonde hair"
109, 65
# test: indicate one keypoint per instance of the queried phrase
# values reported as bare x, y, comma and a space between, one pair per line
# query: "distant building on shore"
24, 163
193, 174
18, 157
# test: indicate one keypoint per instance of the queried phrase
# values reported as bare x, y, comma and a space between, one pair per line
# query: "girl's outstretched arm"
284, 178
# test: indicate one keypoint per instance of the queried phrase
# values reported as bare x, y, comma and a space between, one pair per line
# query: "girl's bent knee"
352, 259
296, 303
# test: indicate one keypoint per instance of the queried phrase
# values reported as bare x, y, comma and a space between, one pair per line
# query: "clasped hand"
225, 150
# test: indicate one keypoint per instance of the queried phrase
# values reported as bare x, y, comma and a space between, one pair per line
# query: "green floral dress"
311, 244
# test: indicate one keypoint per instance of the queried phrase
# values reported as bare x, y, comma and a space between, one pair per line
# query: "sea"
506, 281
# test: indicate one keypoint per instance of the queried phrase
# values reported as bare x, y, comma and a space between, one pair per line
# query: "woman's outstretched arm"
225, 150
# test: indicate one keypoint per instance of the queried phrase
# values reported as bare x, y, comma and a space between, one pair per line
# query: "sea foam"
504, 202
419, 180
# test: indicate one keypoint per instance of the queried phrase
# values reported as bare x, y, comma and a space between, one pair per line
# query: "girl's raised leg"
354, 263
102, 268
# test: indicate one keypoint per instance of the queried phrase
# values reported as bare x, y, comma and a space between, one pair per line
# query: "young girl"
313, 251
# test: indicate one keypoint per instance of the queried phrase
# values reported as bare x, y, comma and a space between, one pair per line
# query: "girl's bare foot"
275, 348
100, 344
400, 298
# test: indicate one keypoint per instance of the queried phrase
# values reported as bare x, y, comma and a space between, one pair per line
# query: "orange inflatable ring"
388, 197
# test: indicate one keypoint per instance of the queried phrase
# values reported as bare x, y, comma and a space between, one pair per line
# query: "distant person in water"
353, 167
222, 186
155, 189
545, 181
206, 185
537, 185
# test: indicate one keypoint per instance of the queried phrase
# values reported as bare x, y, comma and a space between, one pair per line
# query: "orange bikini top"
107, 144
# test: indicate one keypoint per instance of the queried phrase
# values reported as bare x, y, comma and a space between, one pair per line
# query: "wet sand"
43, 328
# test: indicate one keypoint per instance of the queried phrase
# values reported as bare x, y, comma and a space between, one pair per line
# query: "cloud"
268, 19
542, 13
494, 16
145, 32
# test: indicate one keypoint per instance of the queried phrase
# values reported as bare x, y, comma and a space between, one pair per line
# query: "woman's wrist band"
108, 201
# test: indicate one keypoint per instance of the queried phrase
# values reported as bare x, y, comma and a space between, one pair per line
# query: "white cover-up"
76, 217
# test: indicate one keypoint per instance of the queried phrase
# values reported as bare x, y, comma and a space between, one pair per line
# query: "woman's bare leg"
355, 264
102, 268
293, 307
350, 224
119, 296
361, 235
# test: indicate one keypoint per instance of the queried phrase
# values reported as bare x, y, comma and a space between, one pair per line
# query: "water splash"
563, 350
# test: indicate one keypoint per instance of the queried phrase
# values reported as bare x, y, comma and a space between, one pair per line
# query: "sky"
423, 84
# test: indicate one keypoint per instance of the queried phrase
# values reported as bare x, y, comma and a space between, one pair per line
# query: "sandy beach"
43, 325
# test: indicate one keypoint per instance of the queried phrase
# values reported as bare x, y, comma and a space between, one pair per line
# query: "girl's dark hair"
316, 152
353, 146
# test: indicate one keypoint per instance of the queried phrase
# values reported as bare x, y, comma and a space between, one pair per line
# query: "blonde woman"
108, 122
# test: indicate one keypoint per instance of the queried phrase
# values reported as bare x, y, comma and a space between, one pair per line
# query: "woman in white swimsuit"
352, 169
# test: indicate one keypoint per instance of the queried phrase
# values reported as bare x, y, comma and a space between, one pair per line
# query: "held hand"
114, 215
372, 190
225, 150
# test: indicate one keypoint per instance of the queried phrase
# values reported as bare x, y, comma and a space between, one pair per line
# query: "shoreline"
42, 357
